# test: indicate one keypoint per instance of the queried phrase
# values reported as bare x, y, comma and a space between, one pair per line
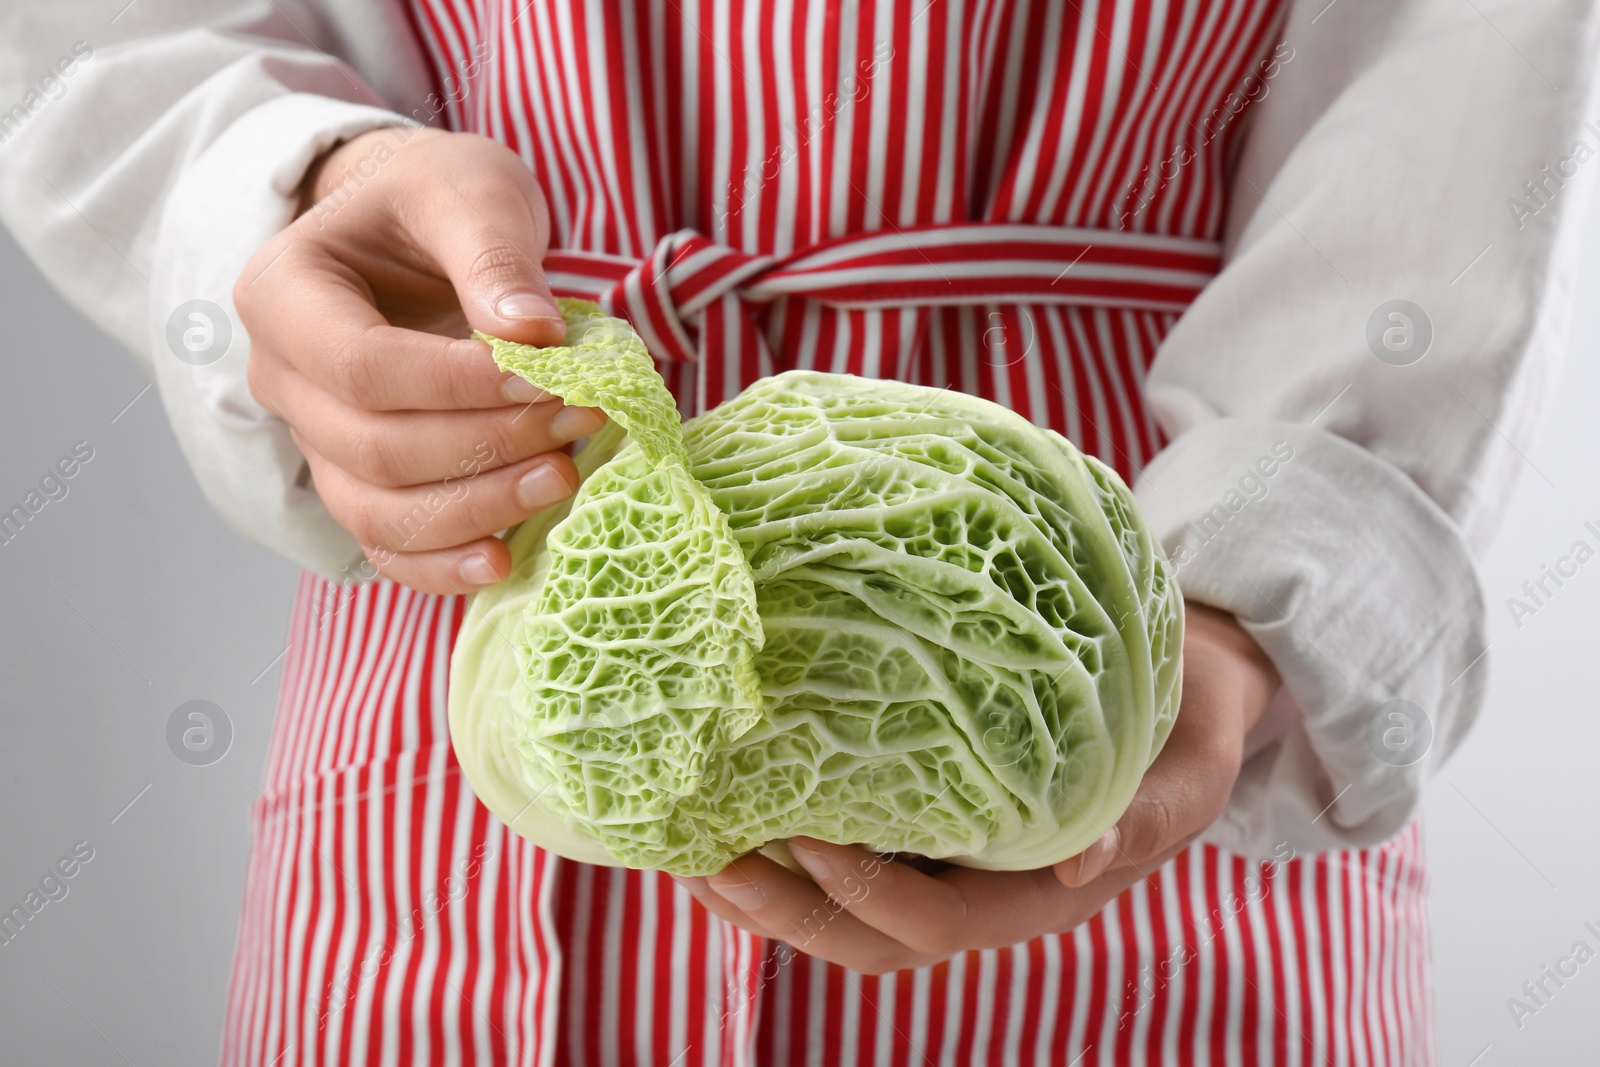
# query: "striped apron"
1014, 198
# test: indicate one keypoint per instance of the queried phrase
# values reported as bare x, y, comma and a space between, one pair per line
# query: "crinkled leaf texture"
860, 610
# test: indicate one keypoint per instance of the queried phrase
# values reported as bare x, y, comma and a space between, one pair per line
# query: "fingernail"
519, 390
740, 892
573, 423
1098, 856
815, 863
477, 570
542, 486
526, 306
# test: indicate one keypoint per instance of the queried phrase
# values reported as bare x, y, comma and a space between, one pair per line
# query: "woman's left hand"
876, 915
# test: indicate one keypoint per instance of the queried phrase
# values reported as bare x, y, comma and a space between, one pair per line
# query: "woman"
1210, 242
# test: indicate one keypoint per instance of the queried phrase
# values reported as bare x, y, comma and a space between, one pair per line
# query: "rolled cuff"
1365, 596
243, 189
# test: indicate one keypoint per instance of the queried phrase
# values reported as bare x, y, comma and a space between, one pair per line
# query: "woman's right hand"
359, 314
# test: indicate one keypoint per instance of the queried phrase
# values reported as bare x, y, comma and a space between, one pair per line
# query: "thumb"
1182, 793
1227, 684
490, 238
1147, 836
1075, 872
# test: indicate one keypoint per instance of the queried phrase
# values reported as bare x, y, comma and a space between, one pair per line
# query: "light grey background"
129, 597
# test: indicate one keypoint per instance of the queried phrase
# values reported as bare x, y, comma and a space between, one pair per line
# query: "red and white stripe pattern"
980, 194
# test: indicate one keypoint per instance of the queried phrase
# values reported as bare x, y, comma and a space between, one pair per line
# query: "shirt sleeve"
1350, 401
146, 159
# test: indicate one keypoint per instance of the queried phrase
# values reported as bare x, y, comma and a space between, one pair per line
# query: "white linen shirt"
1431, 151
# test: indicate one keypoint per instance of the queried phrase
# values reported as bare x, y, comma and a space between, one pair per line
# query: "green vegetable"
859, 610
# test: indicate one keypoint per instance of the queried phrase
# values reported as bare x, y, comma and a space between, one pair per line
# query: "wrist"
356, 160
